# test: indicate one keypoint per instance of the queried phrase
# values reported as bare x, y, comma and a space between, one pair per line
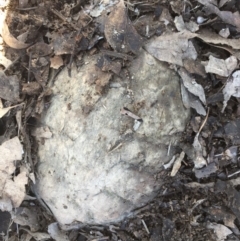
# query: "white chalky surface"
96, 169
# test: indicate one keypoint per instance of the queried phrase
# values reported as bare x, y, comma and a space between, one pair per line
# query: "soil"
200, 199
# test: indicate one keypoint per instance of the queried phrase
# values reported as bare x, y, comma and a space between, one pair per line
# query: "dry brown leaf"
172, 48
192, 85
10, 40
226, 16
189, 100
220, 66
119, 31
194, 67
211, 37
56, 61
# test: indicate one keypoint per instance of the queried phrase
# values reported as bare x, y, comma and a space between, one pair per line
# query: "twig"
145, 226
126, 111
26, 9
233, 174
115, 147
101, 239
169, 148
204, 122
170, 163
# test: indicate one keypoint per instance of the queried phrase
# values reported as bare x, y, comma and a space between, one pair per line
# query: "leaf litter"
200, 41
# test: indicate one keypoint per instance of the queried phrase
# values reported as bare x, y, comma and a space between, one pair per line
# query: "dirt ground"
199, 39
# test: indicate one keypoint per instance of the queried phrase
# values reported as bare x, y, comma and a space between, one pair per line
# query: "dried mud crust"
95, 162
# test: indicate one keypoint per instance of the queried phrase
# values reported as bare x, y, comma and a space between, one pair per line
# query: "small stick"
145, 226
169, 148
204, 122
170, 163
235, 173
26, 9
116, 147
101, 239
126, 111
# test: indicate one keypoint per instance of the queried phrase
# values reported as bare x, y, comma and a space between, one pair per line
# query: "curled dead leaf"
10, 40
